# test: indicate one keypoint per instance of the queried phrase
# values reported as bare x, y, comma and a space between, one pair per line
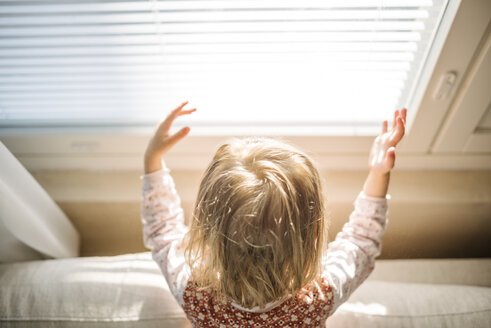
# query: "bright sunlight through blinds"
329, 63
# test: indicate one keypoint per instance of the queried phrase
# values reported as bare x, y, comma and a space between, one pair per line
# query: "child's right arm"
161, 212
350, 258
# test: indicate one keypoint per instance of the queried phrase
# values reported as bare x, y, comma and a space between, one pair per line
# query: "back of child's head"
257, 232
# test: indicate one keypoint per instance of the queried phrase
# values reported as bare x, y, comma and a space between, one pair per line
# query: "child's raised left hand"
162, 140
382, 154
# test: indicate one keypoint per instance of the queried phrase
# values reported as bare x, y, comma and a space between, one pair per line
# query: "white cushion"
396, 304
421, 293
107, 291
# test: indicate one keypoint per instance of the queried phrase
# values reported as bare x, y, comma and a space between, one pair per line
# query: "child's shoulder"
317, 291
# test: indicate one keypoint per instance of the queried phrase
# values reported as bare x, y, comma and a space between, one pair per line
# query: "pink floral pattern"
308, 308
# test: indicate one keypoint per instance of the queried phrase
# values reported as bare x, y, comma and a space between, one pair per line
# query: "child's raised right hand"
162, 140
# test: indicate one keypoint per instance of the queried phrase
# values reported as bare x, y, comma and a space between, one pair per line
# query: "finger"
394, 122
178, 136
176, 111
397, 133
181, 113
167, 123
186, 112
181, 106
384, 126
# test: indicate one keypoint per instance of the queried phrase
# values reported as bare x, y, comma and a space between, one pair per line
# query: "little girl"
255, 253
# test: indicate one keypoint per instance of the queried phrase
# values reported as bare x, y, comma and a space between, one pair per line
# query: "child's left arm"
350, 258
161, 212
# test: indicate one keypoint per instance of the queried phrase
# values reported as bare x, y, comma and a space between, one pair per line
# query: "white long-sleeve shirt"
347, 262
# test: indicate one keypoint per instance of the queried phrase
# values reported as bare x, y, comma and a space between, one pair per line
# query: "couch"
129, 291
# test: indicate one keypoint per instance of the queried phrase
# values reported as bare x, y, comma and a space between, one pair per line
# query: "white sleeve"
164, 229
350, 258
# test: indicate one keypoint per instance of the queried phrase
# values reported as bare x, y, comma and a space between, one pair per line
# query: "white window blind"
327, 63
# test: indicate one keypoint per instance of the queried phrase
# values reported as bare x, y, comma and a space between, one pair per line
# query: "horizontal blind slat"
218, 16
145, 68
200, 28
216, 48
200, 5
155, 78
217, 38
207, 58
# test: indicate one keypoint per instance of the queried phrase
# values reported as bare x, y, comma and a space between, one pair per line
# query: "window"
334, 67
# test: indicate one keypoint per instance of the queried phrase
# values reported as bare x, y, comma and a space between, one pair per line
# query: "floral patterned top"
348, 261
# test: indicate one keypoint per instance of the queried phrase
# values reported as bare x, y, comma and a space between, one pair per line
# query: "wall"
432, 213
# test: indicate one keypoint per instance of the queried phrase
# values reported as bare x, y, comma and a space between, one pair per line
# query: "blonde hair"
258, 230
